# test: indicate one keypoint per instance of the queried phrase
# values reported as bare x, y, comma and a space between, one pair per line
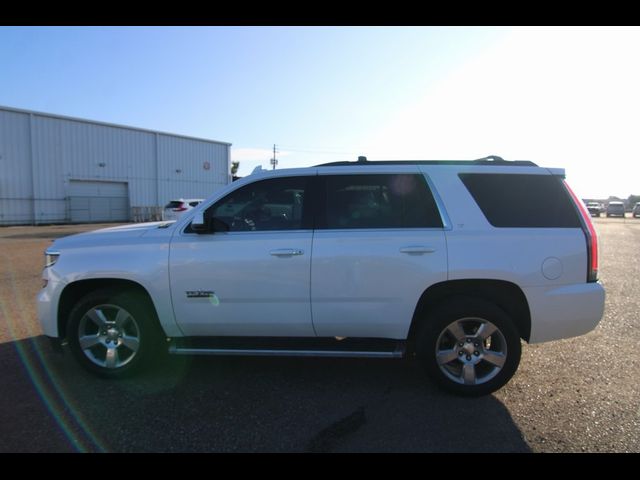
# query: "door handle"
286, 252
417, 250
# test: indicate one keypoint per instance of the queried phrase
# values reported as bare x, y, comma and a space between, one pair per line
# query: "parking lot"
575, 395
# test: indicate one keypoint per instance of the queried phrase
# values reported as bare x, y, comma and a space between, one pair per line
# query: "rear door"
379, 243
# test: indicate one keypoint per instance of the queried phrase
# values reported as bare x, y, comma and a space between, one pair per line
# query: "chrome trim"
286, 252
248, 232
446, 221
397, 353
200, 293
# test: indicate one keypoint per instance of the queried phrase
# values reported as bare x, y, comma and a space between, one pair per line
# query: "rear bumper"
564, 311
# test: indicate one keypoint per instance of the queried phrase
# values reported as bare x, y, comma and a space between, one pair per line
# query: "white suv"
451, 262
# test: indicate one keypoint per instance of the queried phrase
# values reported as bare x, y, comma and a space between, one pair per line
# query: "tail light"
590, 235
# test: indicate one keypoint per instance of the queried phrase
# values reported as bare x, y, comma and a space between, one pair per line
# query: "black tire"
119, 330
469, 364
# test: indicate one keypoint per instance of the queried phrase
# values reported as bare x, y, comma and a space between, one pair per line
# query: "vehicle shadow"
231, 404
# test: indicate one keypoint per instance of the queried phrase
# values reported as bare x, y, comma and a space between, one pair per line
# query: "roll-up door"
91, 201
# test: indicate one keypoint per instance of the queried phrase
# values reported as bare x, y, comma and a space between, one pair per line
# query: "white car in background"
176, 208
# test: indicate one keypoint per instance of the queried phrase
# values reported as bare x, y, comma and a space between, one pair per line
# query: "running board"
288, 347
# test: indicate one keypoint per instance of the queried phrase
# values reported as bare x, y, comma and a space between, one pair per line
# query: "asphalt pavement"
574, 395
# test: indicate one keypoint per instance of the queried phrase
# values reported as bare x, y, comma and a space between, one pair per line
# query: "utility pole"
274, 160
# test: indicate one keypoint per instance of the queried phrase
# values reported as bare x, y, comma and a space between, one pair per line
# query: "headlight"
50, 258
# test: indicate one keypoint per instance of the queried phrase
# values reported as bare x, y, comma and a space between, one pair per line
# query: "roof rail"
490, 160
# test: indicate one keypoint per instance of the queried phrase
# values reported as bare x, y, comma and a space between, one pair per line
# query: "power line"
368, 152
313, 150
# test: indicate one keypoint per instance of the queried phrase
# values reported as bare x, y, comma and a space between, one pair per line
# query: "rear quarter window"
524, 201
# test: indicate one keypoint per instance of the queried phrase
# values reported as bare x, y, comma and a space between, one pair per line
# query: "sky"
564, 97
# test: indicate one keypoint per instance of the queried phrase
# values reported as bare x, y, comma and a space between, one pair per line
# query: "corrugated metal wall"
16, 193
41, 154
189, 179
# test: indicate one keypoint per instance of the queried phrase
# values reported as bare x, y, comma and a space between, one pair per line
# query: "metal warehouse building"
56, 169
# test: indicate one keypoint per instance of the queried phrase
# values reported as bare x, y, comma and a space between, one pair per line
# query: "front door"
254, 279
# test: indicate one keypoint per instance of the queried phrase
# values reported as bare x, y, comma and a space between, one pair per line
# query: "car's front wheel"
113, 333
469, 346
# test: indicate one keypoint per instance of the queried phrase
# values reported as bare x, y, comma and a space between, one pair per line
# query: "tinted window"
378, 201
174, 204
516, 200
273, 204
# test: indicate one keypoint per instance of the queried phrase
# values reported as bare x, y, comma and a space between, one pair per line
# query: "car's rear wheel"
113, 333
469, 346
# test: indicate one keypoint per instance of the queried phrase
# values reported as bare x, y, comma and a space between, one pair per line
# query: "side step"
288, 347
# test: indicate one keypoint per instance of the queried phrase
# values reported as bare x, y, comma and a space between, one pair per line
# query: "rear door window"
377, 201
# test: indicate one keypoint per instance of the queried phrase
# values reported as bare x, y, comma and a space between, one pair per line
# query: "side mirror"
198, 224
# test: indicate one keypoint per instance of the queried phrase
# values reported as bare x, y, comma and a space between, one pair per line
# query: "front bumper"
47, 303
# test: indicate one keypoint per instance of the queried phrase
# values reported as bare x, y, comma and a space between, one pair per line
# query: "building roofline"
107, 124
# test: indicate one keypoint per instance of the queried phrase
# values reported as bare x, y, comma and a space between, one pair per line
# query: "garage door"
98, 201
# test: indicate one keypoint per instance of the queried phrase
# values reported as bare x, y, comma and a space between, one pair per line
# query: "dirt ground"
21, 262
